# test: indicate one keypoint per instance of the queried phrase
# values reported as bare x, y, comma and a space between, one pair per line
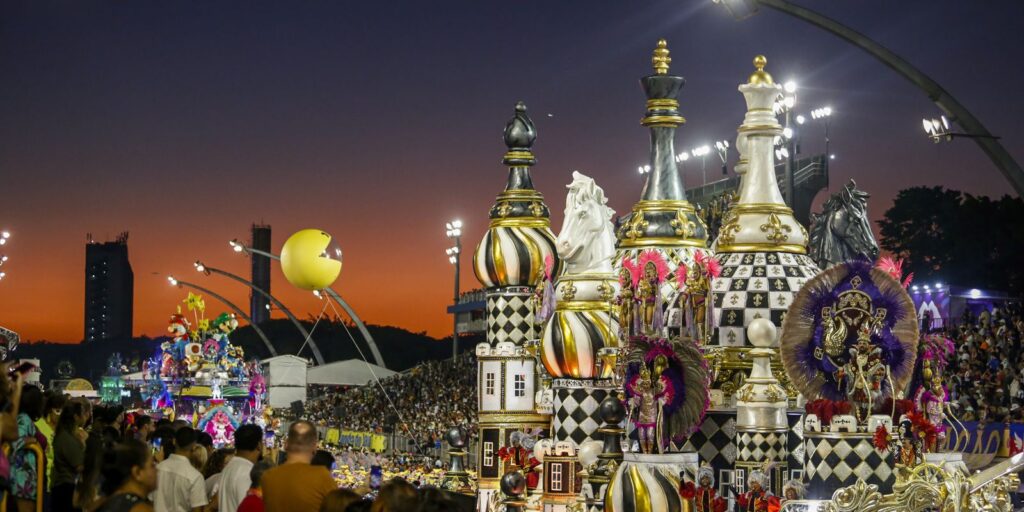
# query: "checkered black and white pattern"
577, 404
753, 449
833, 463
715, 440
795, 441
758, 447
510, 315
755, 285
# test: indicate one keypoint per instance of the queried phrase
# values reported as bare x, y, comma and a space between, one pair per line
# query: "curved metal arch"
341, 302
298, 325
239, 312
988, 143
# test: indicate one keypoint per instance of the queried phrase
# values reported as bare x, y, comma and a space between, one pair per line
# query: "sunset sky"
184, 122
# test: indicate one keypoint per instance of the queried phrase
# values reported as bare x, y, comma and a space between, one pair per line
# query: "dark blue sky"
377, 121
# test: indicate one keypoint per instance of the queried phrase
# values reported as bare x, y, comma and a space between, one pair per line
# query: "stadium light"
454, 231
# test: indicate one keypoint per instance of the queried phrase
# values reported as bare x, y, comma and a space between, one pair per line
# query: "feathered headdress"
652, 256
712, 268
894, 268
858, 290
686, 379
797, 486
634, 272
938, 349
682, 273
706, 471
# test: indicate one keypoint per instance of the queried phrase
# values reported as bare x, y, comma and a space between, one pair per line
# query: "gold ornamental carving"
636, 227
684, 227
568, 291
536, 208
504, 209
730, 228
777, 231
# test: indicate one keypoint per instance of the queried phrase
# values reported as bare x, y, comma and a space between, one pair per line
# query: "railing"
808, 171
398, 443
40, 475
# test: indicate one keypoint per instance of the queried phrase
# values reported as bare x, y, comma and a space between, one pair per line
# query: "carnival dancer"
793, 490
866, 371
519, 456
758, 498
648, 292
629, 277
694, 284
705, 498
648, 402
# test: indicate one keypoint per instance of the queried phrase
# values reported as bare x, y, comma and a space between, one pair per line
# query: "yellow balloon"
306, 261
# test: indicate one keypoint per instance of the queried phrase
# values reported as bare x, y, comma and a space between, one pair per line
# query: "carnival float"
200, 376
634, 364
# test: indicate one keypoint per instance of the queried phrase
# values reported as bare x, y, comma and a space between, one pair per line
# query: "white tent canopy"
353, 372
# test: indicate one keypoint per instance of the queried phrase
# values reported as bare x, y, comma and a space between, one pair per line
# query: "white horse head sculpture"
587, 241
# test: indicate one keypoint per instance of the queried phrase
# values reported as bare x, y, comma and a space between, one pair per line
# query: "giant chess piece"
456, 479
842, 231
509, 261
613, 412
513, 486
582, 324
663, 220
761, 246
761, 424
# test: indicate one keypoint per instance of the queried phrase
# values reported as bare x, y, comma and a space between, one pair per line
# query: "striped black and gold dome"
519, 238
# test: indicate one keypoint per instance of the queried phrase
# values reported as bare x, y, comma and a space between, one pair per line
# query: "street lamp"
4, 236
644, 169
453, 230
702, 152
941, 128
722, 147
785, 106
824, 114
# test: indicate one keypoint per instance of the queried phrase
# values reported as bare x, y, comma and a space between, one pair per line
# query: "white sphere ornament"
761, 333
589, 451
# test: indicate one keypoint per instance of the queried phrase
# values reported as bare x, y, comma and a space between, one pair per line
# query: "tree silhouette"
953, 237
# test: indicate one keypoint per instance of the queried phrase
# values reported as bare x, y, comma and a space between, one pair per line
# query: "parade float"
200, 376
775, 367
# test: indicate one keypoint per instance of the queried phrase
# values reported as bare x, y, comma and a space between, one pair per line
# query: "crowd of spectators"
422, 403
986, 375
713, 212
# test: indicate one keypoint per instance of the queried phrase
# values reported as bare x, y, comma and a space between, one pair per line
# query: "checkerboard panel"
833, 463
759, 447
510, 316
715, 440
795, 440
755, 285
577, 417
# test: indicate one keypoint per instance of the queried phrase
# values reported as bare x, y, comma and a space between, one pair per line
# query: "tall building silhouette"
258, 305
109, 290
